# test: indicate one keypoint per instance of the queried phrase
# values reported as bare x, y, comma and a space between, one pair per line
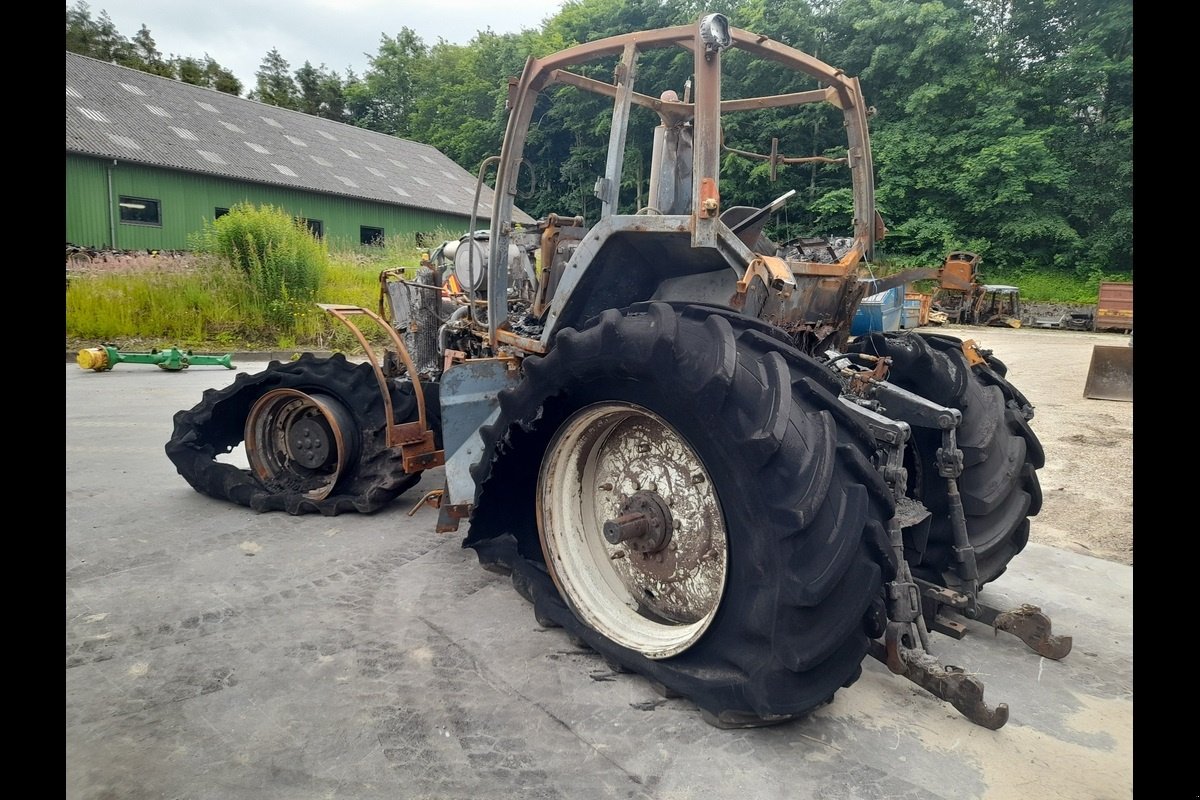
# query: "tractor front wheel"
315, 434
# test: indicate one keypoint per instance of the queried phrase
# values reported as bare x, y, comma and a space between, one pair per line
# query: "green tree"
988, 134
190, 70
1001, 126
97, 38
81, 29
320, 92
206, 72
384, 97
275, 85
460, 93
220, 78
149, 58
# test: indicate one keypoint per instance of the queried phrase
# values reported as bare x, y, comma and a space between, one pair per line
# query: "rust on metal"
774, 273
1031, 626
1114, 306
450, 515
949, 683
408, 432
840, 90
522, 342
453, 357
710, 198
779, 100
894, 645
1027, 622
861, 381
667, 108
432, 498
626, 527
952, 628
774, 159
971, 350
306, 428
422, 455
645, 523
414, 439
844, 266
943, 596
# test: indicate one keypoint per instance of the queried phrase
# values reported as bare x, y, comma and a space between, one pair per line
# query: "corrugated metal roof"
121, 113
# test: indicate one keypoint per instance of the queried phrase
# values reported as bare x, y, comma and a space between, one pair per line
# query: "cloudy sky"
338, 33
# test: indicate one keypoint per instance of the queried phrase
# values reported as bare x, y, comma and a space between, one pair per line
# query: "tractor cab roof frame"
705, 39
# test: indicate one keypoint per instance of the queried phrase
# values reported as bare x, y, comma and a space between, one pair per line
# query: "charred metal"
661, 421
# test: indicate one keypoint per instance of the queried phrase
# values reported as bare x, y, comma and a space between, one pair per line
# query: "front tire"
316, 439
729, 443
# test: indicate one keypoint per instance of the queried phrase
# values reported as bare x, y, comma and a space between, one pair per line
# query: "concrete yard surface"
213, 653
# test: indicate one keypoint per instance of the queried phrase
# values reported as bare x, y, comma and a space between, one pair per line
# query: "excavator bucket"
1110, 376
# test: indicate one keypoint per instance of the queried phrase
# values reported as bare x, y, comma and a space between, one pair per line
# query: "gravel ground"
1088, 443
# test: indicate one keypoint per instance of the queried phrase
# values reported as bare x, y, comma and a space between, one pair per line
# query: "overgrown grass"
1054, 287
213, 305
1066, 288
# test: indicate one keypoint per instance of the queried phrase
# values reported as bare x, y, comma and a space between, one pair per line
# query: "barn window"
371, 236
315, 226
139, 211
219, 212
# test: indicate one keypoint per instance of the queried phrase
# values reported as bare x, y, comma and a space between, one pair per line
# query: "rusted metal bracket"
450, 515
1026, 622
772, 271
414, 439
949, 683
432, 498
971, 350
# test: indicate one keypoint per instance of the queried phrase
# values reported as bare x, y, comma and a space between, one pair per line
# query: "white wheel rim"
659, 602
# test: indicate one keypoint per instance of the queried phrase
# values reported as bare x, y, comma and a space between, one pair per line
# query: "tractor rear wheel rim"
299, 441
655, 593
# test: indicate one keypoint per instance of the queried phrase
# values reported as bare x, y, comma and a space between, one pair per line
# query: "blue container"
879, 312
911, 318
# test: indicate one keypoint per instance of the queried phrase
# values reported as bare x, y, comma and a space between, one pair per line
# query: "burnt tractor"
660, 425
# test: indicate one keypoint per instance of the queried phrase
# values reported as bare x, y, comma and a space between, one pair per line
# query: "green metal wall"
187, 200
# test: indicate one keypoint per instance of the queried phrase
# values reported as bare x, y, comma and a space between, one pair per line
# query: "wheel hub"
632, 528
644, 525
300, 441
308, 442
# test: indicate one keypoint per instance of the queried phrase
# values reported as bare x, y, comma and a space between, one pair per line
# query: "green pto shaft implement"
105, 357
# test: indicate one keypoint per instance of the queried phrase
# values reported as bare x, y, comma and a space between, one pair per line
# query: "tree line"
1000, 126
98, 37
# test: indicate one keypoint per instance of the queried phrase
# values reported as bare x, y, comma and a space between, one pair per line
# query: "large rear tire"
317, 438
1001, 454
718, 462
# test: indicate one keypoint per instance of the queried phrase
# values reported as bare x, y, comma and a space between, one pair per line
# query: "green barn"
150, 160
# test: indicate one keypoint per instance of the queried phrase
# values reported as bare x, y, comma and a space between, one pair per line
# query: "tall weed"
282, 259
